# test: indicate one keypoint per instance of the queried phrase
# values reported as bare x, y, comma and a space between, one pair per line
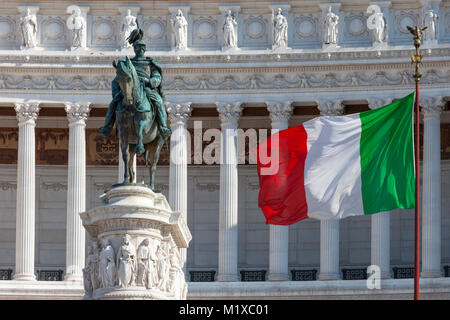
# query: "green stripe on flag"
387, 157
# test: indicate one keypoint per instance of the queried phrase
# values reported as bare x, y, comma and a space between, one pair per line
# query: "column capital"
280, 110
178, 111
77, 112
330, 108
229, 111
27, 111
375, 103
431, 105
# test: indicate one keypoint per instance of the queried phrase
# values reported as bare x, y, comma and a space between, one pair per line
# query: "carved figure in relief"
91, 268
331, 27
77, 25
229, 31
126, 262
376, 23
280, 26
28, 24
430, 20
128, 25
163, 266
179, 27
107, 265
146, 256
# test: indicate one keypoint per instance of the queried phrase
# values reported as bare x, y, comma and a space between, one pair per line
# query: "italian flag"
333, 167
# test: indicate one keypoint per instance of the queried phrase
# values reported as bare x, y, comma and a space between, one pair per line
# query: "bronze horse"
129, 122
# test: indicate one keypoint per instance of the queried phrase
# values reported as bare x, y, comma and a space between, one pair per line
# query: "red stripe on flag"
282, 196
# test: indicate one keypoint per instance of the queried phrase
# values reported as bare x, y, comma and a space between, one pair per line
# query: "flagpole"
417, 60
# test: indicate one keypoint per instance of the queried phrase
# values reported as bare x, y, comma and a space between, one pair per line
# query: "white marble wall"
203, 221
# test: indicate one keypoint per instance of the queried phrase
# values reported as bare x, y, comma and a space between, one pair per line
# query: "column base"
385, 276
24, 277
228, 278
329, 276
73, 278
278, 277
431, 274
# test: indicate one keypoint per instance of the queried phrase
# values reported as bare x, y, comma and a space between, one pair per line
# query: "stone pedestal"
135, 253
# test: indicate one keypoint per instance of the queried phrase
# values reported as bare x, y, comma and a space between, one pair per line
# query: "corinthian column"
25, 204
178, 116
279, 235
228, 210
329, 229
77, 114
381, 224
431, 188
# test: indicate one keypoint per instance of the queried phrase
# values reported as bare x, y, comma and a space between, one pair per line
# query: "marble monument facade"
230, 67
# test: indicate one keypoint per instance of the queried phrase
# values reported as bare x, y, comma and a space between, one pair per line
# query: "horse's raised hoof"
139, 149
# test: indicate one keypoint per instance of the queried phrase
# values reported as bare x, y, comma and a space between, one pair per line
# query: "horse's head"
126, 77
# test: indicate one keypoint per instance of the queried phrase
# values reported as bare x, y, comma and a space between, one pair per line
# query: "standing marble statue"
126, 262
107, 265
229, 31
331, 27
430, 21
280, 28
376, 23
28, 24
128, 25
179, 27
77, 25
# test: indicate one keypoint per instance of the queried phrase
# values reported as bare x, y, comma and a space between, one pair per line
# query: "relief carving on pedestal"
156, 264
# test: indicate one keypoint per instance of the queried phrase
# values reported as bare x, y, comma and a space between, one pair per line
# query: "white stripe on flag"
333, 167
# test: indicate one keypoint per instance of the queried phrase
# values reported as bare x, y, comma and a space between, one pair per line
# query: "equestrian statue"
137, 108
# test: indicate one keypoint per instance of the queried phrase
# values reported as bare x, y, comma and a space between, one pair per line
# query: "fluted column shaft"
329, 250
329, 229
228, 203
25, 204
380, 244
279, 235
76, 190
431, 189
178, 115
